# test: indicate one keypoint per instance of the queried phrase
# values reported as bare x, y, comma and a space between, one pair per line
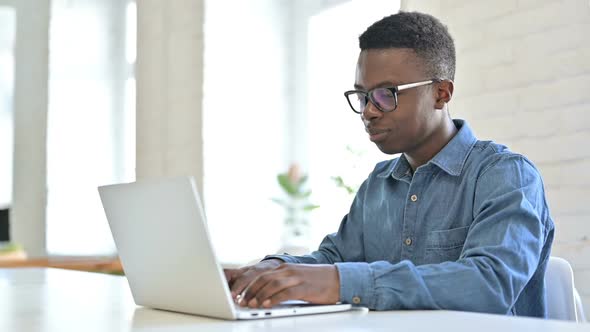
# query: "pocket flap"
447, 239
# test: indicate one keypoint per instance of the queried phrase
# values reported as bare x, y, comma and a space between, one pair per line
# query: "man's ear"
444, 93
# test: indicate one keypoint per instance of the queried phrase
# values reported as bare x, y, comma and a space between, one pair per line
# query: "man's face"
410, 125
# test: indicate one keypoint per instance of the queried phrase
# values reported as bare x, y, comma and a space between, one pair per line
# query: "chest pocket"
445, 245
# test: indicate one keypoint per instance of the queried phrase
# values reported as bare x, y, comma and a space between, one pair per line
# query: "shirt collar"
450, 159
398, 168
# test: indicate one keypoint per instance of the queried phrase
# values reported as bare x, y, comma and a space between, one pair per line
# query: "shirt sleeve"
501, 253
346, 245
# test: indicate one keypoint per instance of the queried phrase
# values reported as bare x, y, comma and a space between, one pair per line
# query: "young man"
453, 223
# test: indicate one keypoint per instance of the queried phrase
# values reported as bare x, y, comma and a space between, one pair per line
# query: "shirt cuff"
284, 258
357, 285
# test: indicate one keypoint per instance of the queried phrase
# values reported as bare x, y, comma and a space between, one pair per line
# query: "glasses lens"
358, 101
384, 98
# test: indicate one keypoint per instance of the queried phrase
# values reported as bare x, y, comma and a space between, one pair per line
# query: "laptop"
160, 232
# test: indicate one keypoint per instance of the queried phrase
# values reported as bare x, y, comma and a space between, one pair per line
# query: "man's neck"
436, 142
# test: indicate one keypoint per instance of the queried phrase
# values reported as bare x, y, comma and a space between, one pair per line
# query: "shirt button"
408, 241
356, 300
414, 198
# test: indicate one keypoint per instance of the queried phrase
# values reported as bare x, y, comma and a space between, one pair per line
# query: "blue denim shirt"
470, 230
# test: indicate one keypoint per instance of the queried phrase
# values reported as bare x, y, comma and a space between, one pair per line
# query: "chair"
563, 300
4, 231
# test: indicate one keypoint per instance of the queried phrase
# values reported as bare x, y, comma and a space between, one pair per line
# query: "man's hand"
239, 279
313, 283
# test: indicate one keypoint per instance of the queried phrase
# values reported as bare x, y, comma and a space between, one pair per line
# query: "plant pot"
295, 239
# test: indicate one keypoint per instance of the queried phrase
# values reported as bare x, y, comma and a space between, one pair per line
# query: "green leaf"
286, 184
340, 183
338, 180
279, 201
298, 186
303, 195
302, 180
10, 247
350, 189
310, 207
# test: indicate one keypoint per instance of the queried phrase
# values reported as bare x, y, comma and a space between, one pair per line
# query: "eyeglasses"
385, 99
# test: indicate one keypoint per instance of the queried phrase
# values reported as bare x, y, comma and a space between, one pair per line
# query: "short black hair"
423, 33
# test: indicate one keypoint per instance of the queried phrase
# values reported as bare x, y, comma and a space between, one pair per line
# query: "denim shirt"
469, 230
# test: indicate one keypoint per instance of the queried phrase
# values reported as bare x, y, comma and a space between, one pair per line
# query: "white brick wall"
29, 195
169, 74
523, 79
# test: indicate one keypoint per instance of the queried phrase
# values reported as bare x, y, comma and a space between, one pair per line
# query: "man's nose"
371, 112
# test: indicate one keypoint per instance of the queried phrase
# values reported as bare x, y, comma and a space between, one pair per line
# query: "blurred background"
95, 92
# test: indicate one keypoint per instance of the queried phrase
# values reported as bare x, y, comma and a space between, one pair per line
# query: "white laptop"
161, 235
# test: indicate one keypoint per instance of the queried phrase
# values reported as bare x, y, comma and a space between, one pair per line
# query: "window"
244, 108
273, 94
90, 121
339, 145
7, 31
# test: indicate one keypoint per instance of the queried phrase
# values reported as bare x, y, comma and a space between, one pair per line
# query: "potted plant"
297, 205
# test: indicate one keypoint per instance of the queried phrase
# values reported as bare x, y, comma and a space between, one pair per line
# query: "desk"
46, 299
95, 264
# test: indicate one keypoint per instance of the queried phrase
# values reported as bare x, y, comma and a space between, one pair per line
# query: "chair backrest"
579, 308
561, 293
4, 230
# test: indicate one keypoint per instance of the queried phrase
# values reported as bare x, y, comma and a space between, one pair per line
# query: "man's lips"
376, 135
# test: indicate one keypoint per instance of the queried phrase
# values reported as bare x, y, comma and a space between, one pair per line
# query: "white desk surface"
59, 300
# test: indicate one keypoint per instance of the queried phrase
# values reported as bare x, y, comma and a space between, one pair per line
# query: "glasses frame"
394, 89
